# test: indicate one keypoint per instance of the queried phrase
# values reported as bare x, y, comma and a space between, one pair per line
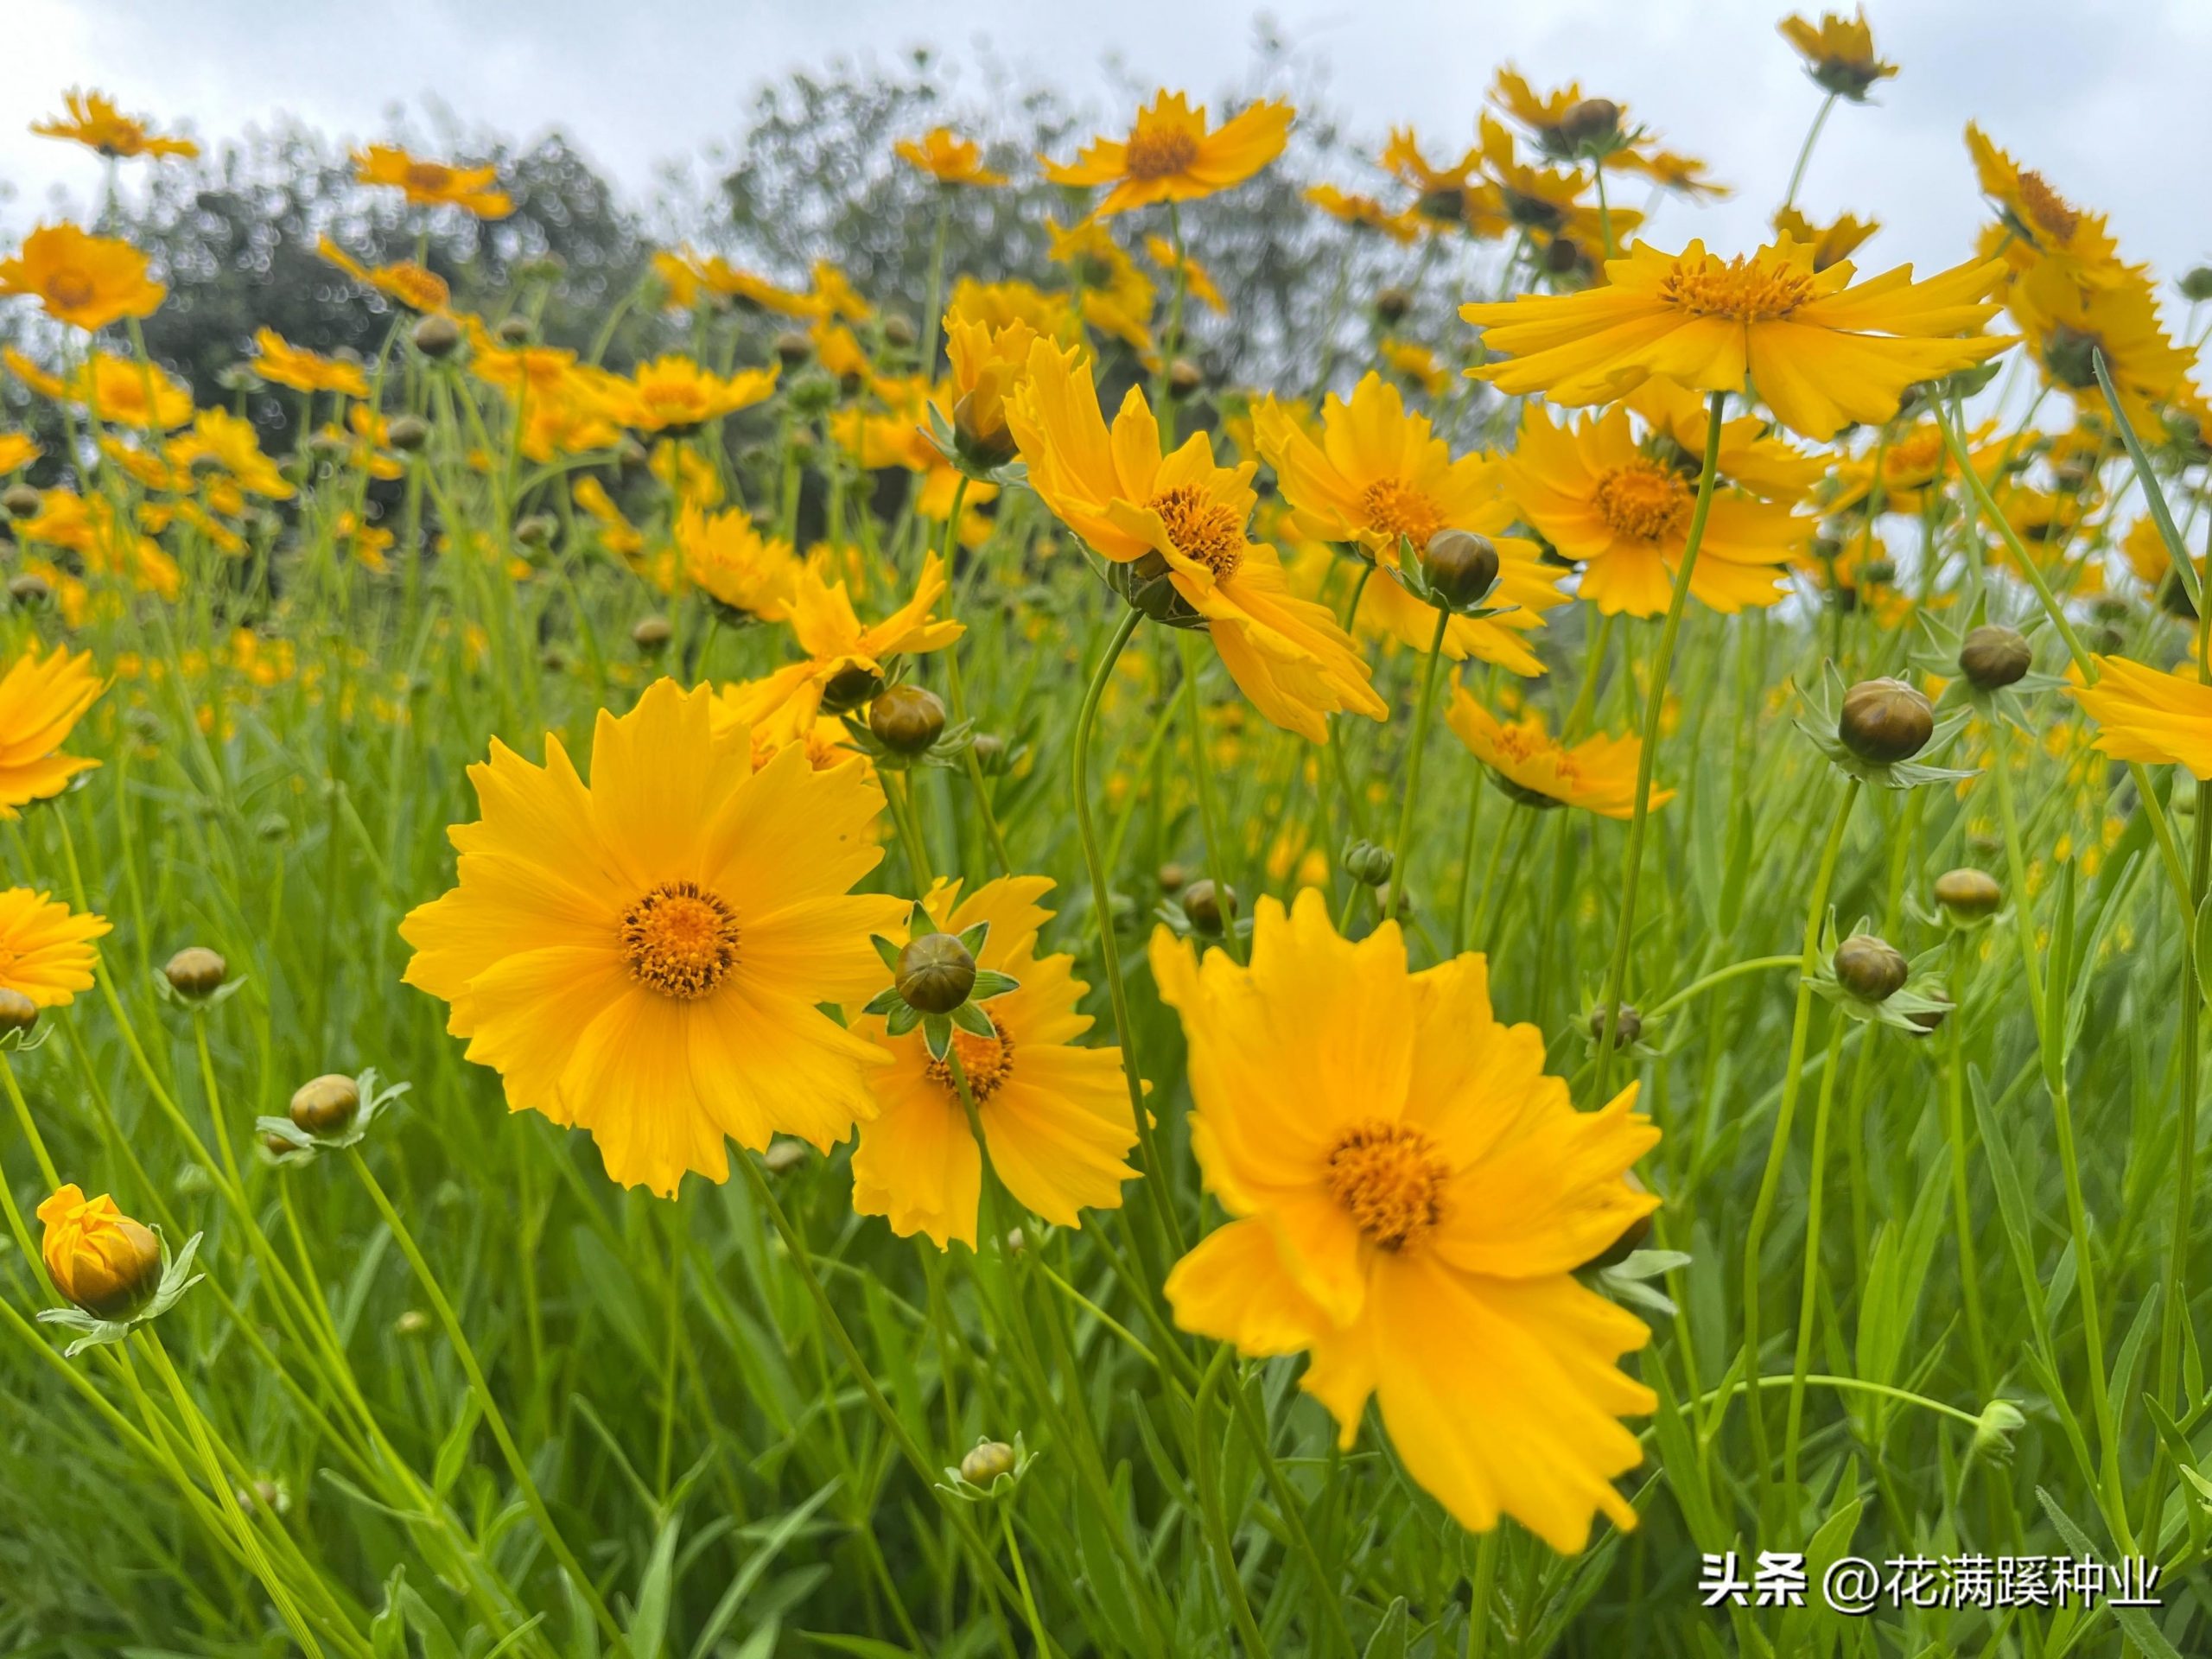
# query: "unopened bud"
21, 501
1994, 656
514, 331
1869, 969
935, 973
987, 1462
793, 349
1209, 908
1886, 721
898, 329
407, 432
195, 972
1461, 566
1173, 877
1627, 1028
784, 1155
1968, 895
1184, 377
437, 336
325, 1105
1591, 121
1391, 304
29, 589
18, 1011
535, 531
849, 688
652, 634
1368, 864
906, 719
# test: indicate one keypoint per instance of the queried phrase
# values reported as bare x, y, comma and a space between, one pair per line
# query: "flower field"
1486, 942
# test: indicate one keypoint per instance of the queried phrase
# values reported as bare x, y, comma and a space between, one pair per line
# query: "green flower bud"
1994, 656
1209, 909
1886, 721
906, 719
987, 1462
935, 973
437, 336
1460, 566
325, 1105
196, 972
1968, 895
1872, 969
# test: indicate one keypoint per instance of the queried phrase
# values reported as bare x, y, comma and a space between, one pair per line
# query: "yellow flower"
1820, 353
947, 158
1536, 768
1831, 242
1545, 116
642, 956
1838, 53
847, 661
2143, 714
1197, 282
1770, 467
996, 304
674, 394
1416, 363
1170, 156
1412, 1196
17, 451
276, 359
2067, 324
1683, 174
1444, 197
1364, 212
1184, 519
87, 282
2035, 223
34, 379
1547, 202
414, 286
98, 1257
1117, 297
117, 391
724, 554
717, 276
1055, 1116
46, 949
1624, 516
1379, 473
986, 361
42, 700
234, 445
678, 277
94, 121
434, 184
616, 533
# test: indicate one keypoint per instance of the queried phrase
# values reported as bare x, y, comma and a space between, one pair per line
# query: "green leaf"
2149, 1640
649, 1623
884, 1002
972, 939
936, 1033
2153, 497
886, 950
973, 1020
902, 1019
989, 982
786, 1528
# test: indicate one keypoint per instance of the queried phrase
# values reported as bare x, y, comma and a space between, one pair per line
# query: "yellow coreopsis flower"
434, 184
1170, 155
1412, 1195
1588, 489
1537, 769
1197, 282
1380, 472
674, 394
98, 1257
234, 445
46, 949
1839, 52
726, 556
1819, 352
1055, 1116
717, 276
1117, 298
947, 158
986, 361
279, 361
641, 955
2037, 223
1836, 240
1364, 212
1444, 197
2142, 715
92, 119
17, 451
847, 661
2068, 325
1185, 518
117, 390
1683, 174
1549, 202
87, 282
415, 286
42, 700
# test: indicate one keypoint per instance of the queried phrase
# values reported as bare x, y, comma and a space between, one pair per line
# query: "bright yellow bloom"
117, 389
87, 282
98, 1257
286, 365
1624, 516
717, 276
434, 184
1598, 774
1831, 242
1185, 518
1197, 282
233, 444
1770, 467
641, 955
726, 556
1412, 1196
1683, 174
996, 304
1820, 353
42, 700
674, 394
986, 361
2067, 324
107, 546
17, 451
1117, 298
1364, 212
1170, 156
678, 277
1838, 53
1549, 202
846, 660
94, 121
1055, 1116
1544, 116
947, 158
1379, 473
616, 533
414, 286
2037, 223
1416, 363
1444, 197
2142, 715
46, 949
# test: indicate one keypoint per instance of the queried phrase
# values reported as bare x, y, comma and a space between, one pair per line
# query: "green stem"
1805, 152
1402, 844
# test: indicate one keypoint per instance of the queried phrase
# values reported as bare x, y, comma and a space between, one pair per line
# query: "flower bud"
1561, 256
1886, 721
535, 531
1209, 908
2196, 284
1368, 864
935, 973
17, 1012
1391, 304
990, 750
1930, 1019
1869, 969
97, 1256
407, 432
898, 329
1994, 656
514, 331
906, 719
21, 501
195, 972
437, 336
1627, 1029
1460, 566
849, 688
984, 439
29, 589
1173, 877
412, 1322
1968, 895
1184, 377
652, 635
793, 349
783, 1154
987, 1462
1592, 121
325, 1105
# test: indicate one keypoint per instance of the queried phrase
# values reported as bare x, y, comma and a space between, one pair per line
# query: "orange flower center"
431, 176
673, 401
1645, 502
69, 286
1390, 1178
1201, 528
1745, 289
681, 940
1159, 152
1396, 509
988, 1061
2046, 207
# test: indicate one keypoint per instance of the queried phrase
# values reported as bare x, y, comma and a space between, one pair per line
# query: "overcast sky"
2106, 99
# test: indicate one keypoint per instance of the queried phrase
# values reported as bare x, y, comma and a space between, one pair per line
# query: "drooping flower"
1380, 472
46, 949
847, 661
1819, 352
2142, 715
1444, 198
1593, 492
1412, 1195
1170, 155
1055, 1115
641, 955
92, 120
414, 286
2068, 325
278, 360
98, 1257
947, 158
1839, 52
985, 361
1537, 769
1184, 520
86, 281
42, 700
1364, 212
434, 184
